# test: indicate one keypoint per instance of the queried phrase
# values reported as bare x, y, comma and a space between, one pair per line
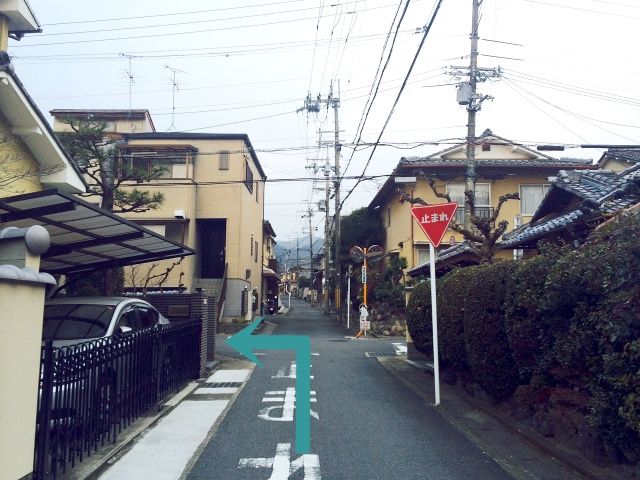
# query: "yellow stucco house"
502, 166
213, 186
31, 158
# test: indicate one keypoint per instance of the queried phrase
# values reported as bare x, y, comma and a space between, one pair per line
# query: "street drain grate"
379, 354
222, 384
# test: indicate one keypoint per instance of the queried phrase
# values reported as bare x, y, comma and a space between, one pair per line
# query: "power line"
551, 117
173, 34
173, 14
377, 79
173, 24
204, 51
599, 12
427, 29
573, 114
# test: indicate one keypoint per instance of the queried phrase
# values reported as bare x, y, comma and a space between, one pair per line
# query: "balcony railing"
482, 212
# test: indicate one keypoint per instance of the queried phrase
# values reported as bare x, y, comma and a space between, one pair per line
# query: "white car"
73, 320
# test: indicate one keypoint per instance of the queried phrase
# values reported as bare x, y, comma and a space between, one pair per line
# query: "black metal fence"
90, 392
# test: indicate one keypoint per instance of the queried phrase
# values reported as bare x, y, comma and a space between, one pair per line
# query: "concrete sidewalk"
164, 445
520, 450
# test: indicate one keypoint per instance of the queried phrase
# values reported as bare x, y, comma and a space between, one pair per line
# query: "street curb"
550, 447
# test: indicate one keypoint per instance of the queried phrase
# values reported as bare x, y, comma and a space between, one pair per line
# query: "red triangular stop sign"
434, 220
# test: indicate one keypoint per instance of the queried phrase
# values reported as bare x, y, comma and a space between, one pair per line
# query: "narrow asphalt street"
366, 424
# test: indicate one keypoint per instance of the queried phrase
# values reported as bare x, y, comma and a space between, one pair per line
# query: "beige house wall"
615, 165
118, 126
16, 161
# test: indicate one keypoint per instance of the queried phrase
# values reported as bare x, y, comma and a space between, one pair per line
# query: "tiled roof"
495, 162
625, 154
606, 191
441, 255
540, 161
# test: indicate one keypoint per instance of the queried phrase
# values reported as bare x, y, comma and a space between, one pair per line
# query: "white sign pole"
434, 321
348, 298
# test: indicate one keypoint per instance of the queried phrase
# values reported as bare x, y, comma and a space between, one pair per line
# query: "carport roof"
85, 237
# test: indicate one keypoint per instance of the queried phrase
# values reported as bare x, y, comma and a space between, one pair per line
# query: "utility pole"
327, 234
468, 96
313, 105
335, 103
470, 173
309, 215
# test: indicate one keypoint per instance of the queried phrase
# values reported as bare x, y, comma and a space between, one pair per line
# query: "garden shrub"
526, 324
487, 349
452, 291
592, 298
419, 318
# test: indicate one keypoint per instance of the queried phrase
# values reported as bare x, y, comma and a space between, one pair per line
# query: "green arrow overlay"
244, 342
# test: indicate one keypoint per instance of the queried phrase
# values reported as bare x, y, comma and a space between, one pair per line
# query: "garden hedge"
485, 339
563, 325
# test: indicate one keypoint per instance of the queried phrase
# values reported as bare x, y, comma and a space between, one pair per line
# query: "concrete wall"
183, 307
22, 307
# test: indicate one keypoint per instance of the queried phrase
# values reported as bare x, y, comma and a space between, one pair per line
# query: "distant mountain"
286, 251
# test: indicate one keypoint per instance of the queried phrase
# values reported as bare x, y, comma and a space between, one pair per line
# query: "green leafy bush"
526, 324
418, 314
452, 291
485, 339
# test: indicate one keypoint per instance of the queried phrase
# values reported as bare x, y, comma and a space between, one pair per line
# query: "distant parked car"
72, 320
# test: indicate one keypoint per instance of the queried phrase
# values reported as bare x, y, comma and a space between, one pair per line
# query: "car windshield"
73, 322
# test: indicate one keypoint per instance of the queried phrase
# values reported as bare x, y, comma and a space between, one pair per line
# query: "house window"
255, 252
482, 199
224, 161
388, 217
152, 163
423, 256
251, 245
257, 189
248, 177
486, 147
531, 197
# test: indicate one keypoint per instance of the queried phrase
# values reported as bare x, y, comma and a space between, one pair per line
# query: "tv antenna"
174, 89
129, 73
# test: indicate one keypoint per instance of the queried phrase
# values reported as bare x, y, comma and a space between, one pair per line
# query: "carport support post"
434, 321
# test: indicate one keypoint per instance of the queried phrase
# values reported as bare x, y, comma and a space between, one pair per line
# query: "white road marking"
164, 452
274, 392
282, 468
229, 376
287, 407
216, 390
315, 354
401, 348
292, 372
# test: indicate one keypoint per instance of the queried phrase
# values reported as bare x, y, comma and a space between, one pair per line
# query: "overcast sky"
570, 76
